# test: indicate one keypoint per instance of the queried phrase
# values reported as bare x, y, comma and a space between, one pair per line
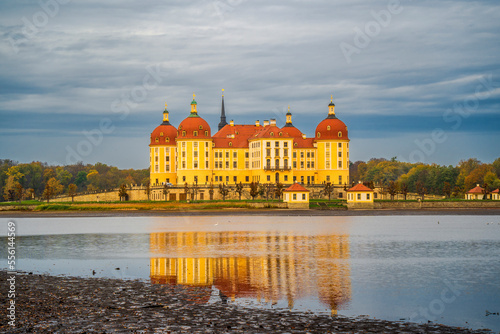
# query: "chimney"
231, 123
273, 121
257, 123
266, 122
303, 136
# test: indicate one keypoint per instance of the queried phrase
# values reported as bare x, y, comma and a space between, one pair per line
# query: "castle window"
213, 143
277, 152
246, 155
157, 139
327, 145
195, 164
328, 127
227, 155
195, 154
328, 178
227, 164
340, 134
230, 143
285, 144
340, 164
340, 179
206, 165
312, 164
340, 154
206, 144
161, 134
206, 133
184, 133
295, 155
167, 158
200, 127
272, 134
167, 168
340, 145
235, 154
235, 164
308, 154
167, 139
183, 164
195, 133
295, 144
281, 133
319, 134
295, 164
276, 144
195, 144
268, 144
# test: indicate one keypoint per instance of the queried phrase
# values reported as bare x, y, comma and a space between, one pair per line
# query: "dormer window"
200, 127
195, 133
272, 134
206, 133
230, 143
319, 134
161, 134
157, 139
328, 127
340, 134
167, 139
184, 133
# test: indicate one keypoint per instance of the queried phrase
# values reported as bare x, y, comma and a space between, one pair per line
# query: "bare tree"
403, 188
223, 190
447, 189
239, 189
166, 190
328, 189
421, 189
254, 189
279, 190
392, 189
147, 191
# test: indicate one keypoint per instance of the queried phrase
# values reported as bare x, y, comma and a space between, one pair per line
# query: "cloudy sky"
87, 80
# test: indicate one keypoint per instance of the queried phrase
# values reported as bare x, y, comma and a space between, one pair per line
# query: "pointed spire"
222, 113
194, 111
288, 118
165, 116
331, 108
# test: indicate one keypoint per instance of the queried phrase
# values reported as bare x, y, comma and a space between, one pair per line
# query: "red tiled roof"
476, 190
496, 191
271, 131
296, 187
169, 131
237, 135
303, 143
336, 126
360, 187
191, 124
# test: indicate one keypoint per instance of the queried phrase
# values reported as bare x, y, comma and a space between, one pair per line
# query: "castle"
264, 153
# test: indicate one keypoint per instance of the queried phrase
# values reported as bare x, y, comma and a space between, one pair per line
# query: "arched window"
281, 133
184, 133
157, 139
340, 134
167, 139
161, 134
319, 134
328, 127
230, 143
195, 133
272, 134
206, 133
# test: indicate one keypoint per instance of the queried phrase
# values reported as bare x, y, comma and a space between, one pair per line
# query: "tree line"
402, 177
20, 181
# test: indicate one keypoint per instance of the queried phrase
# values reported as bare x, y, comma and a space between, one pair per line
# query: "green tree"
122, 192
166, 190
447, 189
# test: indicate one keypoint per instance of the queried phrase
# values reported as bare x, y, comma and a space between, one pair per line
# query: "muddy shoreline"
54, 304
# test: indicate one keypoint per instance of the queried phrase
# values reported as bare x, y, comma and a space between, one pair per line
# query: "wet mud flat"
54, 304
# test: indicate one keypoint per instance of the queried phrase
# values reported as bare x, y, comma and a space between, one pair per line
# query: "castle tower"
222, 113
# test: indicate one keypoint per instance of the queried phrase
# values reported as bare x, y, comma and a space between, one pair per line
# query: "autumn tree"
403, 189
147, 190
420, 188
328, 189
392, 189
223, 190
122, 192
254, 189
239, 189
166, 190
278, 192
72, 188
52, 188
447, 189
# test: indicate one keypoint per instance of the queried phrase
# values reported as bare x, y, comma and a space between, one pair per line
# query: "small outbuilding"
475, 193
296, 196
360, 197
495, 194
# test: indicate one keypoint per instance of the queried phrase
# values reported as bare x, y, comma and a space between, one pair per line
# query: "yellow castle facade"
264, 153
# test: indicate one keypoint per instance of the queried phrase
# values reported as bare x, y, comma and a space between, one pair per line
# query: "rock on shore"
53, 304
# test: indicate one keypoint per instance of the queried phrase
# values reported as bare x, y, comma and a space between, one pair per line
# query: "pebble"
54, 304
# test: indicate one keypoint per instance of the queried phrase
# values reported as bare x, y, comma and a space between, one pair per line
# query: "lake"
444, 269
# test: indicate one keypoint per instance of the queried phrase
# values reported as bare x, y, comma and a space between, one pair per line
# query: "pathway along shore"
53, 304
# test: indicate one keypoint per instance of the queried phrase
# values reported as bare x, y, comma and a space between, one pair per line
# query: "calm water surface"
444, 269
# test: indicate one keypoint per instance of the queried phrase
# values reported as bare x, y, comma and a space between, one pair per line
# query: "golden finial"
331, 98
222, 91
194, 95
288, 108
165, 105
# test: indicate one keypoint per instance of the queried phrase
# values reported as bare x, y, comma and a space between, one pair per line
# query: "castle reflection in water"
267, 266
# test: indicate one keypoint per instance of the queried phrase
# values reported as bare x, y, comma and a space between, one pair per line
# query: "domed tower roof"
193, 126
165, 133
331, 127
